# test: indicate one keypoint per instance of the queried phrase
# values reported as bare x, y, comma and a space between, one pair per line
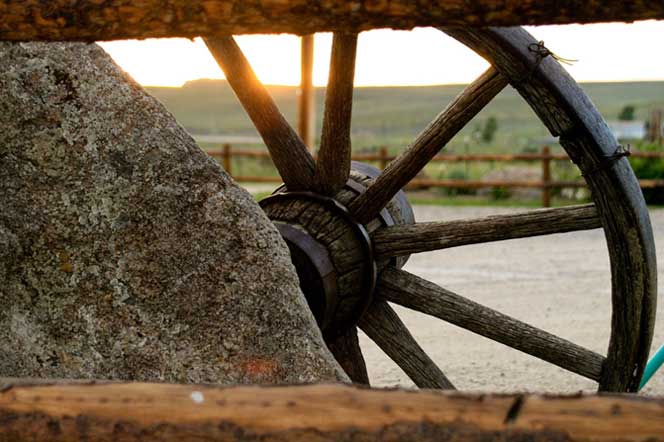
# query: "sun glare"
605, 52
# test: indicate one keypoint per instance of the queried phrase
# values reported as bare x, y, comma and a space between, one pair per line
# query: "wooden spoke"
347, 352
421, 237
333, 166
384, 327
418, 294
289, 154
405, 167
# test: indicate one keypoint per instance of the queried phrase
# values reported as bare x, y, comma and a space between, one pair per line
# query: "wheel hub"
331, 252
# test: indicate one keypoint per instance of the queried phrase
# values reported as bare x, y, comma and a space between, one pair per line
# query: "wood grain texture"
126, 19
383, 326
568, 112
346, 251
289, 154
346, 350
333, 166
428, 143
132, 412
419, 294
631, 252
422, 237
306, 108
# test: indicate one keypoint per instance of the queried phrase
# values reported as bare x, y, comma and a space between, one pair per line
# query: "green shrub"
489, 130
458, 174
627, 113
650, 169
500, 193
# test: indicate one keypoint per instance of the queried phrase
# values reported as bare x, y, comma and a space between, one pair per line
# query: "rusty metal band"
357, 188
384, 215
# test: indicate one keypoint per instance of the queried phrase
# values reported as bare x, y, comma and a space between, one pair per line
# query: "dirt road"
560, 283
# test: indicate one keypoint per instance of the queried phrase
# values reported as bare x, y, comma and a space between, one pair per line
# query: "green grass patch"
393, 116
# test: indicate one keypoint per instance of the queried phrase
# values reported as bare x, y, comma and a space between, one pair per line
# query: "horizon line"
661, 80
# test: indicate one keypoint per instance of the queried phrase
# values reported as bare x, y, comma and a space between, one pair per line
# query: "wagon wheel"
350, 229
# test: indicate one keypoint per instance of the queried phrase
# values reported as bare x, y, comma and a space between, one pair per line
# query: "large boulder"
125, 251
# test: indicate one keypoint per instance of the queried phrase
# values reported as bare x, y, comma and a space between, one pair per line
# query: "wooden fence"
546, 183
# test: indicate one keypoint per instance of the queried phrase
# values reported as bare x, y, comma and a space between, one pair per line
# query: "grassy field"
393, 116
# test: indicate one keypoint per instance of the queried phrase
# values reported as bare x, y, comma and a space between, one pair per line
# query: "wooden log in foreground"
151, 412
121, 19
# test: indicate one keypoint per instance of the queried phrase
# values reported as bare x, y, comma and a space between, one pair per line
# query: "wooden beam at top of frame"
163, 412
84, 20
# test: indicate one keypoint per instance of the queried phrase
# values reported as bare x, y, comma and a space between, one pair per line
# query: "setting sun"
385, 57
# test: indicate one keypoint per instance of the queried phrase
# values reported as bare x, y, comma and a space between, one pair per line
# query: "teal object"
652, 366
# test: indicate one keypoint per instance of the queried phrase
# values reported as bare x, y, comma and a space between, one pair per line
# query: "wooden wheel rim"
519, 60
615, 191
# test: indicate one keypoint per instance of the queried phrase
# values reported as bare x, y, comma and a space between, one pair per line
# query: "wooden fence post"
546, 177
655, 126
306, 102
383, 157
227, 157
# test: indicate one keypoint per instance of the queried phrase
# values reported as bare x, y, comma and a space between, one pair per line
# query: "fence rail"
227, 152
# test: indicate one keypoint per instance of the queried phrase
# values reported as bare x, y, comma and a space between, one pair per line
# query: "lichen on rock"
125, 251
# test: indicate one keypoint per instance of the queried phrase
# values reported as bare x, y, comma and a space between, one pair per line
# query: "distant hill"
393, 116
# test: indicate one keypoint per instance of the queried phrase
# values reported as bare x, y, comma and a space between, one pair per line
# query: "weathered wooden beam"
163, 412
428, 143
407, 239
411, 291
346, 350
122, 19
333, 166
382, 324
289, 154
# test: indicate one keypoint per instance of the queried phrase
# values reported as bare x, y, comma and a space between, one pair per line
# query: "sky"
605, 52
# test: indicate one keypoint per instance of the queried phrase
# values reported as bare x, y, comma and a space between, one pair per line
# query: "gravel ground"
560, 283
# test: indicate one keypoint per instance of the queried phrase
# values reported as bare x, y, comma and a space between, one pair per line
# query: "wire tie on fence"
620, 152
541, 52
